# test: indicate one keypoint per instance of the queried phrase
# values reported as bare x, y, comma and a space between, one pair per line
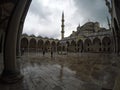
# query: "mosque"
88, 38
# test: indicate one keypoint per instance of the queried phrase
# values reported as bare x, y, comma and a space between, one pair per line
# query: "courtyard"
71, 71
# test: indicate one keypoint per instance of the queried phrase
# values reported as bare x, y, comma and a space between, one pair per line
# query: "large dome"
90, 27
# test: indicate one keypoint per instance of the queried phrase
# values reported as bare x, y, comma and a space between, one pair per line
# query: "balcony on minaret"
62, 31
62, 25
62, 20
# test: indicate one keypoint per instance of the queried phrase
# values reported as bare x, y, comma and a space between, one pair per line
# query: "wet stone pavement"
66, 72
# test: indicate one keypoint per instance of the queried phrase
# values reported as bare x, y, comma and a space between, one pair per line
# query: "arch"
13, 28
106, 44
58, 46
79, 45
47, 46
58, 43
73, 46
53, 43
40, 45
68, 45
97, 45
87, 45
32, 45
53, 46
24, 44
116, 36
73, 42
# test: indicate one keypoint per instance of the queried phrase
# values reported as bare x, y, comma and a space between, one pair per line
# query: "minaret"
79, 24
108, 22
109, 7
62, 26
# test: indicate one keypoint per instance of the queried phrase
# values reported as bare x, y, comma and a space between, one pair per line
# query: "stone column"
10, 73
28, 47
36, 48
21, 28
115, 41
18, 53
1, 40
56, 48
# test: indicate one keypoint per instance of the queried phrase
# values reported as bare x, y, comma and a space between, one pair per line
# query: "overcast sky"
44, 16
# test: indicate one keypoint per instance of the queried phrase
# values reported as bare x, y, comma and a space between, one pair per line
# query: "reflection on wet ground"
66, 72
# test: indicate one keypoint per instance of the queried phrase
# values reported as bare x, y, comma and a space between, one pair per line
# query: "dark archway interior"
24, 44
97, 45
47, 46
73, 46
87, 45
40, 45
53, 46
80, 46
33, 45
106, 42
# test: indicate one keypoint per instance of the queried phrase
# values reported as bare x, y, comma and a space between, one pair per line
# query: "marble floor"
72, 71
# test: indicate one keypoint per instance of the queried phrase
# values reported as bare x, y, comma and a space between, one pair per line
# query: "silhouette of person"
22, 51
51, 53
43, 52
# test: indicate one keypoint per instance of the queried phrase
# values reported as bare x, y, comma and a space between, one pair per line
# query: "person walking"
51, 53
43, 52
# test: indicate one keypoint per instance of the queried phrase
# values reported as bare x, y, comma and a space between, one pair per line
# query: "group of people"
50, 52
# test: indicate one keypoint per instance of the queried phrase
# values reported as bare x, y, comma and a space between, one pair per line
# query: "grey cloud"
92, 9
50, 35
39, 10
43, 34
